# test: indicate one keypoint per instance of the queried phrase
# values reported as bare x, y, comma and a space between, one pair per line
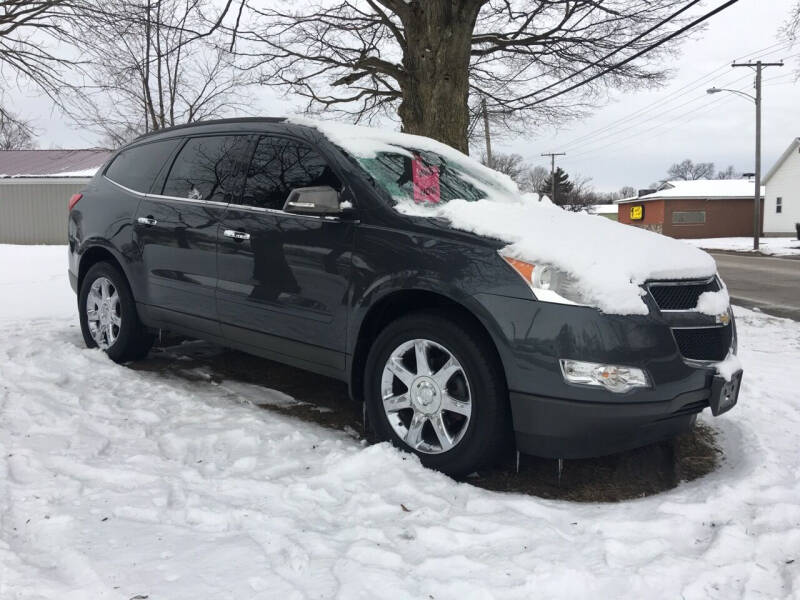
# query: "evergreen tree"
564, 187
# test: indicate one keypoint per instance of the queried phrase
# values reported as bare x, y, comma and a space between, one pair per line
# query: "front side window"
779, 205
207, 168
423, 177
280, 165
136, 168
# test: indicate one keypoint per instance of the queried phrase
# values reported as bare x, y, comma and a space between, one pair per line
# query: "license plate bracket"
724, 393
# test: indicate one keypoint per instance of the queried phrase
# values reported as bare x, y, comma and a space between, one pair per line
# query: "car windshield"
424, 177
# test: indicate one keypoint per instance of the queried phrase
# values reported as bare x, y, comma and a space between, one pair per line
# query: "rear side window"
280, 165
136, 168
207, 168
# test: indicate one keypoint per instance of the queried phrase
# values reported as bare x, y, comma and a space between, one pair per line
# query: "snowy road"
116, 483
771, 284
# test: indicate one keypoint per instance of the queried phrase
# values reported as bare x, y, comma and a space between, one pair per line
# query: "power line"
635, 124
592, 145
602, 59
685, 118
633, 57
673, 94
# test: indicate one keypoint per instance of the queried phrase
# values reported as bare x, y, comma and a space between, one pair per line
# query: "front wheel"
108, 316
432, 386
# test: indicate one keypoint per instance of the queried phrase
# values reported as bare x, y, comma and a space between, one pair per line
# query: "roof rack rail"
212, 122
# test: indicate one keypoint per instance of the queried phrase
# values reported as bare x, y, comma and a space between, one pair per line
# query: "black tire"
133, 340
488, 432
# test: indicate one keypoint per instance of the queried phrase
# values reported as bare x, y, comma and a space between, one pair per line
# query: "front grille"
681, 296
704, 343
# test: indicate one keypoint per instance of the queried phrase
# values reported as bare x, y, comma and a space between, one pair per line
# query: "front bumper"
555, 419
557, 428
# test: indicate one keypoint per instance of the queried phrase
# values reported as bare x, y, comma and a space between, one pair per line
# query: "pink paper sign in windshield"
426, 182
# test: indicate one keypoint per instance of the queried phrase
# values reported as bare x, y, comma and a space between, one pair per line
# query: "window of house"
280, 165
207, 168
779, 205
688, 217
137, 167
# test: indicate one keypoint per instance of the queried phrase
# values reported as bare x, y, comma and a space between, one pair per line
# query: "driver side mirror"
318, 200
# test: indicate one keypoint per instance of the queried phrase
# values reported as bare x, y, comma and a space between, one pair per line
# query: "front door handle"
148, 220
237, 235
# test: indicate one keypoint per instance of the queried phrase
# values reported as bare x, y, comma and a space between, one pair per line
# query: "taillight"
74, 200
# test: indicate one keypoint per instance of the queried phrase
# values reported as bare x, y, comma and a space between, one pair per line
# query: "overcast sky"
634, 139
682, 121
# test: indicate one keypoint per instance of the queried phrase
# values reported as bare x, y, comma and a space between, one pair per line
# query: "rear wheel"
108, 316
432, 387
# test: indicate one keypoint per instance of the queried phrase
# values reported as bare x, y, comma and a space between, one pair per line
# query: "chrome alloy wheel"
426, 396
103, 312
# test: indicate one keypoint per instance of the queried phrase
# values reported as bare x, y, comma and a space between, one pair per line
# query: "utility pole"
758, 66
488, 135
552, 156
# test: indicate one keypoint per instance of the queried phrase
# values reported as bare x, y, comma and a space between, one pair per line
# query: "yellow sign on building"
637, 213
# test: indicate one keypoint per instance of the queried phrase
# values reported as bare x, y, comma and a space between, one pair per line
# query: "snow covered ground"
117, 483
775, 246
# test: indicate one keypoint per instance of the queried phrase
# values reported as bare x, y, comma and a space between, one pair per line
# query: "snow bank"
116, 483
609, 261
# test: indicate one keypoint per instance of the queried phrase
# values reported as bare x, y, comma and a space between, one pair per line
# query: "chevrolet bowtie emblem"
724, 318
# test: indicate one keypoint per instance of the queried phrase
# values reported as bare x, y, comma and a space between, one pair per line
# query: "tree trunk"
436, 60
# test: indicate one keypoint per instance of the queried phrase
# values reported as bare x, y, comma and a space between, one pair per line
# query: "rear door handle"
149, 221
237, 235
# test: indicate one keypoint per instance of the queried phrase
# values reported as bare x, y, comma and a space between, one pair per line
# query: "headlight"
547, 283
612, 377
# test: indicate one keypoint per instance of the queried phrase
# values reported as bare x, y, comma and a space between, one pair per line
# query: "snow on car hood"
608, 260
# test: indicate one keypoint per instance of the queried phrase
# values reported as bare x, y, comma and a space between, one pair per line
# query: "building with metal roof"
35, 186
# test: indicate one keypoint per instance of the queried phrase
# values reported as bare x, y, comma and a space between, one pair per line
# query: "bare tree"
729, 173
512, 165
626, 191
27, 30
791, 29
26, 26
146, 69
16, 133
582, 195
533, 178
528, 178
431, 62
689, 170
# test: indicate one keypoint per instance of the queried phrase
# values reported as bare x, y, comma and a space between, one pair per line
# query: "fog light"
612, 377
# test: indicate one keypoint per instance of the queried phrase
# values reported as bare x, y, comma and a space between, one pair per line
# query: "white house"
782, 204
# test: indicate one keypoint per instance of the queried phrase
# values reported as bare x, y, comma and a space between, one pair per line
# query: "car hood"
608, 260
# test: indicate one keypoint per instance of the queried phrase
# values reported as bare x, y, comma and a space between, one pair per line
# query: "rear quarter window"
136, 168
